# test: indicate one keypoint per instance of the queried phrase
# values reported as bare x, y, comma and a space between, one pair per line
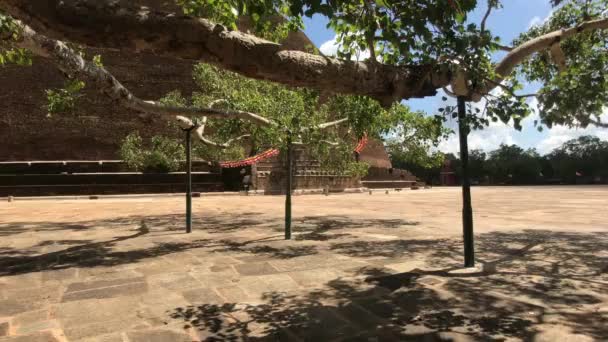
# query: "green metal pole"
467, 208
288, 190
188, 181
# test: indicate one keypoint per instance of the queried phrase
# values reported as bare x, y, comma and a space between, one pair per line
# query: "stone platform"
360, 268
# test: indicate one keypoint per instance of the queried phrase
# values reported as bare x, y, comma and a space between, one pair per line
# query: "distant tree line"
583, 160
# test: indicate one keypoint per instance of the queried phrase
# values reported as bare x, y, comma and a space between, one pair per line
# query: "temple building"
77, 152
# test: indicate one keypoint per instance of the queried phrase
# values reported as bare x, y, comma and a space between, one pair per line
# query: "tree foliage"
160, 154
576, 95
580, 160
298, 115
439, 33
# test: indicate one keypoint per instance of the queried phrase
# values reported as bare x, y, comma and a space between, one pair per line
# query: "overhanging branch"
72, 63
120, 25
544, 42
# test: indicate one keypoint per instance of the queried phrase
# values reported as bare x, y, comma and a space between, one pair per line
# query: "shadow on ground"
534, 283
135, 231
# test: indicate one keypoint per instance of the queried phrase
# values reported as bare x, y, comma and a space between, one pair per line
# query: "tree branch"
504, 47
525, 50
224, 145
598, 123
123, 25
482, 26
331, 123
73, 64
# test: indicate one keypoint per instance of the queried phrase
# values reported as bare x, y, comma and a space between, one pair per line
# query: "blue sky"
515, 17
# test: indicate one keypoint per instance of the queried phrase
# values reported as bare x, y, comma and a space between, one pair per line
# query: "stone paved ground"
360, 268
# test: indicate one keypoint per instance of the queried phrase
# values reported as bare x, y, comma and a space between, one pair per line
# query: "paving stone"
359, 316
22, 281
202, 296
59, 275
94, 310
106, 273
37, 296
31, 316
159, 267
279, 282
314, 277
223, 260
38, 337
208, 279
113, 337
380, 307
11, 307
158, 336
254, 269
321, 324
33, 327
174, 281
183, 259
430, 281
4, 328
304, 263
107, 292
160, 300
233, 294
77, 332
88, 285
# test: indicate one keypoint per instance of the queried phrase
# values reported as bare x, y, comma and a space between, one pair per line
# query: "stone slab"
202, 296
130, 289
158, 336
4, 328
38, 337
255, 269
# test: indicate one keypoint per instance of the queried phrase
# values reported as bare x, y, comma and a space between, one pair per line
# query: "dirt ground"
360, 267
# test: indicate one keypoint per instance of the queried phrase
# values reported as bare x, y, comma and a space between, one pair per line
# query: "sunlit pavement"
378, 267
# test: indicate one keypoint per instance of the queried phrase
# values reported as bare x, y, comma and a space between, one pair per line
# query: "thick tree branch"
73, 64
544, 42
119, 24
527, 49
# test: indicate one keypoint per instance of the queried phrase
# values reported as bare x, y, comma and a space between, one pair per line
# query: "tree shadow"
287, 252
531, 280
321, 228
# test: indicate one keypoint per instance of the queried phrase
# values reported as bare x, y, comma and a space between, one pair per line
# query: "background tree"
583, 159
510, 164
586, 156
329, 131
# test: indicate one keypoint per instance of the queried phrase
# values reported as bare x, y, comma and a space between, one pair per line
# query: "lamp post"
288, 188
187, 126
467, 208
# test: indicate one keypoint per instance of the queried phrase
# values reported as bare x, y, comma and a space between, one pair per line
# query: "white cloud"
330, 48
487, 139
535, 21
498, 133
560, 134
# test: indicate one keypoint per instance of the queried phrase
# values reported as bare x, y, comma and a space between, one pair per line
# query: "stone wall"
96, 127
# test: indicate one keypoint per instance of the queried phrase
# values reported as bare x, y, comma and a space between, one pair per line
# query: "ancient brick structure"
95, 128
